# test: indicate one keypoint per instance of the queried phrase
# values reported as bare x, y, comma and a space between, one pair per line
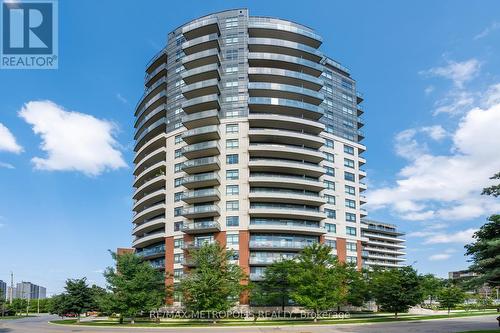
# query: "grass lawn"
13, 317
195, 323
486, 331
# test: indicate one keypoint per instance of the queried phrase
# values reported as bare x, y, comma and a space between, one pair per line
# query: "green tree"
276, 286
97, 297
318, 280
214, 284
359, 291
396, 290
58, 305
78, 296
430, 286
450, 296
485, 253
135, 287
493, 190
19, 305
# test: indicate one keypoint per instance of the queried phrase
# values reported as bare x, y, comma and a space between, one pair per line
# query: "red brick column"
220, 237
169, 267
359, 248
244, 239
341, 249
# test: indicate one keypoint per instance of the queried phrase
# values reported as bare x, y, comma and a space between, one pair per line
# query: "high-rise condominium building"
247, 134
383, 245
3, 290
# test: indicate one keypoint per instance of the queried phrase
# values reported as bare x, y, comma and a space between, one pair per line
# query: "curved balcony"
155, 75
156, 99
283, 76
202, 149
148, 226
148, 239
285, 181
196, 212
148, 199
153, 157
287, 226
200, 134
201, 74
150, 212
204, 195
281, 46
201, 27
275, 28
278, 245
387, 244
285, 137
203, 164
203, 227
202, 103
202, 58
155, 182
199, 119
151, 131
284, 91
150, 92
285, 166
151, 252
277, 121
200, 44
284, 107
201, 88
159, 58
284, 196
273, 60
150, 171
201, 180
148, 118
274, 211
285, 151
158, 141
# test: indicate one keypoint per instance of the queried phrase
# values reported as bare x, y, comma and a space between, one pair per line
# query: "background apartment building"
247, 134
3, 290
28, 290
383, 246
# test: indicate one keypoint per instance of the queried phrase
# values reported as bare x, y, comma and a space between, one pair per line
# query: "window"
352, 260
232, 159
330, 199
177, 196
232, 40
329, 157
177, 211
231, 54
231, 98
232, 221
329, 143
232, 128
232, 189
349, 150
231, 69
177, 167
349, 176
348, 163
234, 255
231, 22
232, 83
178, 243
350, 203
331, 243
350, 231
330, 213
232, 239
331, 227
350, 217
232, 174
177, 182
232, 143
330, 171
178, 258
232, 205
329, 184
350, 190
178, 139
178, 153
177, 226
351, 246
178, 272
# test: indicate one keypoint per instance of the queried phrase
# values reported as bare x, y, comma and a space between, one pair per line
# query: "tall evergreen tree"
78, 296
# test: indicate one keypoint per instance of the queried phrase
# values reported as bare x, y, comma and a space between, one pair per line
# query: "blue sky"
429, 72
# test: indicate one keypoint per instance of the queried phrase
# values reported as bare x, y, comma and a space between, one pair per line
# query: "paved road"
40, 325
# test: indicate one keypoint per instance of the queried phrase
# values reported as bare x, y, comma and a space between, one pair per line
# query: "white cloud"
73, 141
121, 98
489, 29
446, 186
6, 165
428, 90
462, 237
455, 102
439, 257
436, 132
8, 141
458, 72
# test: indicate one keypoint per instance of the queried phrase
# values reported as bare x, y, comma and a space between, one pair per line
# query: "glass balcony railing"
200, 146
200, 115
193, 210
200, 162
200, 177
204, 225
209, 192
200, 131
146, 252
279, 244
286, 103
287, 223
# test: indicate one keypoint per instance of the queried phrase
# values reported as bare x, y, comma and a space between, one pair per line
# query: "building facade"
383, 245
247, 134
28, 290
3, 290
